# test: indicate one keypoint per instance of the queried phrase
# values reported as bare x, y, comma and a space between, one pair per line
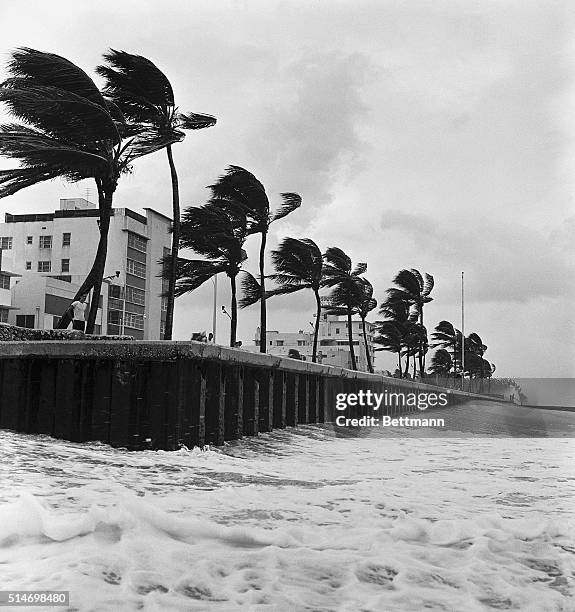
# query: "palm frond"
291, 201
138, 87
12, 181
251, 290
39, 68
428, 284
408, 282
298, 261
195, 121
60, 113
192, 273
241, 188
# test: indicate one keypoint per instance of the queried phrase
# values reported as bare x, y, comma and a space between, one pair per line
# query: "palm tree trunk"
421, 352
169, 324
399, 363
93, 280
263, 313
316, 328
407, 356
105, 203
234, 308
368, 356
350, 340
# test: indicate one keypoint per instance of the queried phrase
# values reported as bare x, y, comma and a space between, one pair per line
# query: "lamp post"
108, 280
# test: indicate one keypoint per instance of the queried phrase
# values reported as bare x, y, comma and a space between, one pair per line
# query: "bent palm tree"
446, 336
390, 337
299, 265
145, 96
415, 339
441, 363
395, 333
71, 131
239, 187
342, 277
414, 289
218, 235
365, 305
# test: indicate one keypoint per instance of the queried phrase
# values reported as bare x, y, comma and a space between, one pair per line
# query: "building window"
165, 266
28, 321
115, 304
114, 317
135, 321
3, 315
29, 239
28, 265
65, 265
164, 306
44, 266
135, 296
66, 238
6, 243
137, 242
279, 342
337, 330
301, 343
45, 242
136, 268
4, 281
116, 291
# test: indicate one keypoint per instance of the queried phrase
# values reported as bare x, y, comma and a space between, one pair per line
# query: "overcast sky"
430, 135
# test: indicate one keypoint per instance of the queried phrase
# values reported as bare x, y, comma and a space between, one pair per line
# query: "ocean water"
294, 520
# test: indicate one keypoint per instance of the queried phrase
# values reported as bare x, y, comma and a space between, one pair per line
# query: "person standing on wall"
79, 308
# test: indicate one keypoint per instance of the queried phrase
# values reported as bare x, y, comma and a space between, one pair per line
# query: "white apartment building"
333, 344
46, 257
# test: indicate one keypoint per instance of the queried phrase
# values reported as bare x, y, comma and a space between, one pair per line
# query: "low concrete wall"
12, 333
166, 394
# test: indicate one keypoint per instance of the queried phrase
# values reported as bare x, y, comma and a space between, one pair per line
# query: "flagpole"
462, 336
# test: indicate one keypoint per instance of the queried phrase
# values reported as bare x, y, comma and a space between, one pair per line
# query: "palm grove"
70, 128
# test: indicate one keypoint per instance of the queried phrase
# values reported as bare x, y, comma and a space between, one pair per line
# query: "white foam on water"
293, 521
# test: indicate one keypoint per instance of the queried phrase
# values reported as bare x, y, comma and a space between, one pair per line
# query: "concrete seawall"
163, 395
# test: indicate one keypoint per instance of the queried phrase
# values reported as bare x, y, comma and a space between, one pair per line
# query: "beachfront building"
46, 257
333, 347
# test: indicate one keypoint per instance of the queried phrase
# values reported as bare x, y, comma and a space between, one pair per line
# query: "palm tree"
365, 305
446, 336
390, 337
145, 96
299, 265
71, 131
342, 277
475, 365
241, 188
414, 289
400, 333
441, 363
218, 235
